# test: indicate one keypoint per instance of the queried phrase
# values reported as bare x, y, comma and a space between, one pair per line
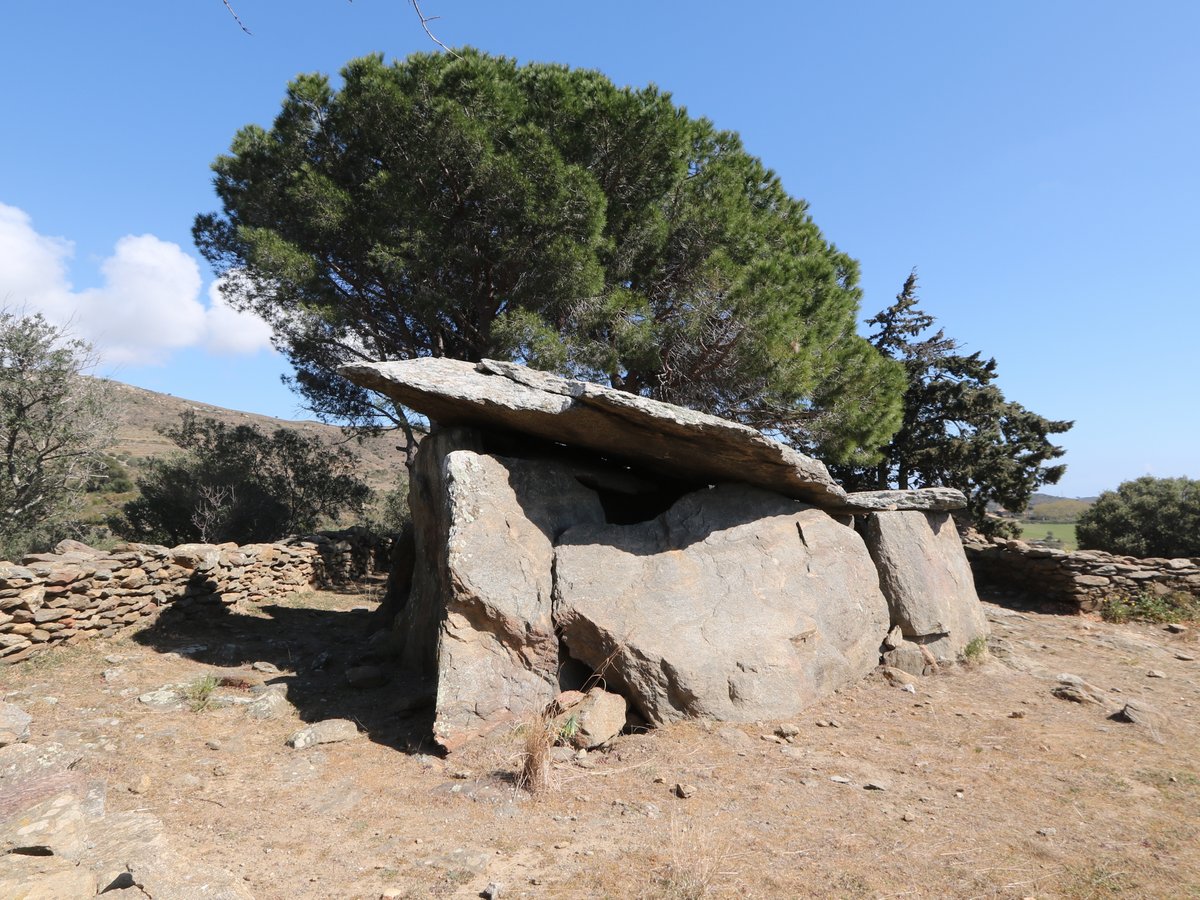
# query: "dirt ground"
981, 784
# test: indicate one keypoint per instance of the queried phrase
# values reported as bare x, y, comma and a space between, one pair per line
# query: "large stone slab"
497, 651
658, 436
936, 499
925, 576
736, 604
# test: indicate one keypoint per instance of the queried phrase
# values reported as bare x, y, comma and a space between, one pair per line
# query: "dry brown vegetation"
981, 784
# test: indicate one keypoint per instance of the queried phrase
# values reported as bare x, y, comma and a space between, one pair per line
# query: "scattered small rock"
1076, 690
141, 785
328, 731
1176, 628
592, 719
909, 817
263, 666
683, 791
1017, 714
735, 738
162, 699
875, 786
1154, 673
271, 705
1047, 832
894, 639
839, 779
1137, 713
1186, 657
787, 730
492, 891
897, 677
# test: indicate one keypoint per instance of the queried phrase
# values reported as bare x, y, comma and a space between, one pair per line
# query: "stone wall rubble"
1081, 580
79, 592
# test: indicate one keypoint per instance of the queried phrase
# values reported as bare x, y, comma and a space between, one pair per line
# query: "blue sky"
1038, 163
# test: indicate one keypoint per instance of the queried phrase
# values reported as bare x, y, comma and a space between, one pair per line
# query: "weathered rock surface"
937, 499
424, 608
58, 841
590, 719
657, 436
928, 584
911, 657
736, 604
45, 878
14, 724
498, 651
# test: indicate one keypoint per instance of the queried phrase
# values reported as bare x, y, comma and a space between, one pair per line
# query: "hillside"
140, 414
1048, 508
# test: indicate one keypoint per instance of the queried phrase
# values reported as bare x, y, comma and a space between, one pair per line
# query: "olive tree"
55, 421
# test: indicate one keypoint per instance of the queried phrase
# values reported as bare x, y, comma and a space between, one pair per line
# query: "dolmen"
568, 536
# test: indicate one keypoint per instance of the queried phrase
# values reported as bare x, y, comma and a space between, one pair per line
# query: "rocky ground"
997, 779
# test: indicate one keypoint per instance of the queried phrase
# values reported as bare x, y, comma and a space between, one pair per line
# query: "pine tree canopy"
466, 206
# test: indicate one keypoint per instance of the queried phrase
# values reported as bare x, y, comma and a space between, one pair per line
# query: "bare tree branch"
425, 20
241, 24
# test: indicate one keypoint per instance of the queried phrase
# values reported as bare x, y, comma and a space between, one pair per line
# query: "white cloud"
148, 306
232, 332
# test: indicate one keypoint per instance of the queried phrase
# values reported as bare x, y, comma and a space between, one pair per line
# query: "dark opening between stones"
622, 508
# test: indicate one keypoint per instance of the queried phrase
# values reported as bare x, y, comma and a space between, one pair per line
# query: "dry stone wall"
79, 592
1082, 579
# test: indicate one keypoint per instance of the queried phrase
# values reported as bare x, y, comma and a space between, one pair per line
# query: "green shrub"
975, 650
199, 692
1145, 517
236, 483
1146, 606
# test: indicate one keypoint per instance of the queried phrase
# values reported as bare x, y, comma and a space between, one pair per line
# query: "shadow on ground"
313, 648
1024, 601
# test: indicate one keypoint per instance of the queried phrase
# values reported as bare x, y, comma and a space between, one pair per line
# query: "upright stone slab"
736, 604
928, 584
497, 652
424, 610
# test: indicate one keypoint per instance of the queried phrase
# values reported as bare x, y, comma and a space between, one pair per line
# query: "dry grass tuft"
537, 737
699, 860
